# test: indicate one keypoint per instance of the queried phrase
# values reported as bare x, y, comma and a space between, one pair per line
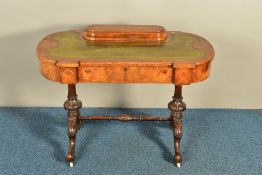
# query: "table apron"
166, 74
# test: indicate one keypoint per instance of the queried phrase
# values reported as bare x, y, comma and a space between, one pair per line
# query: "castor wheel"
71, 164
178, 165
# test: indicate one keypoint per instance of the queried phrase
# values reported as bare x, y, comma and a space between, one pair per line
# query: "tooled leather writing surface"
71, 46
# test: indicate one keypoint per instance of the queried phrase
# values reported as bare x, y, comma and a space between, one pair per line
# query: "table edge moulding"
124, 54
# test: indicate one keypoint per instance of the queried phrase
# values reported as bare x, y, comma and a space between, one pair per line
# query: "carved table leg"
72, 105
177, 106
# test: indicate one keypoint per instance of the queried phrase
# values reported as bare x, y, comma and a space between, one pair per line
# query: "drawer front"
125, 74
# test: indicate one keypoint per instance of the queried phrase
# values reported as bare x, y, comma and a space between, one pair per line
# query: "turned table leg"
72, 105
177, 106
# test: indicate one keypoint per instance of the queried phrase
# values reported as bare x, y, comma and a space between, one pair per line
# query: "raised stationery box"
126, 34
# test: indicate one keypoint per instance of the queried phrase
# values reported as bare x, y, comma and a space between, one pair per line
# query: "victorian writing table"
124, 54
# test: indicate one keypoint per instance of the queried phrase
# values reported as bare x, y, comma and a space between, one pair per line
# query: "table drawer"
132, 74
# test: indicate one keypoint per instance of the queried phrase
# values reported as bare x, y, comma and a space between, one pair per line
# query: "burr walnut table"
124, 54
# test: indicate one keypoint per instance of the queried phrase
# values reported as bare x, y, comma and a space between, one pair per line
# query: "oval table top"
69, 49
71, 46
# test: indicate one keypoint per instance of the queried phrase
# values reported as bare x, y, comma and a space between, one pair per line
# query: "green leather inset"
70, 44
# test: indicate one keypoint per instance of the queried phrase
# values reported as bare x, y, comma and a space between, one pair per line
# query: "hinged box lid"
126, 34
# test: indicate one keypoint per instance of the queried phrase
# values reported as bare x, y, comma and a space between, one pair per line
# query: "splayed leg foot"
72, 105
177, 106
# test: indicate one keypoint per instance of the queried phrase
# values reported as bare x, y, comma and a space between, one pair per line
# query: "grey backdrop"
233, 27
